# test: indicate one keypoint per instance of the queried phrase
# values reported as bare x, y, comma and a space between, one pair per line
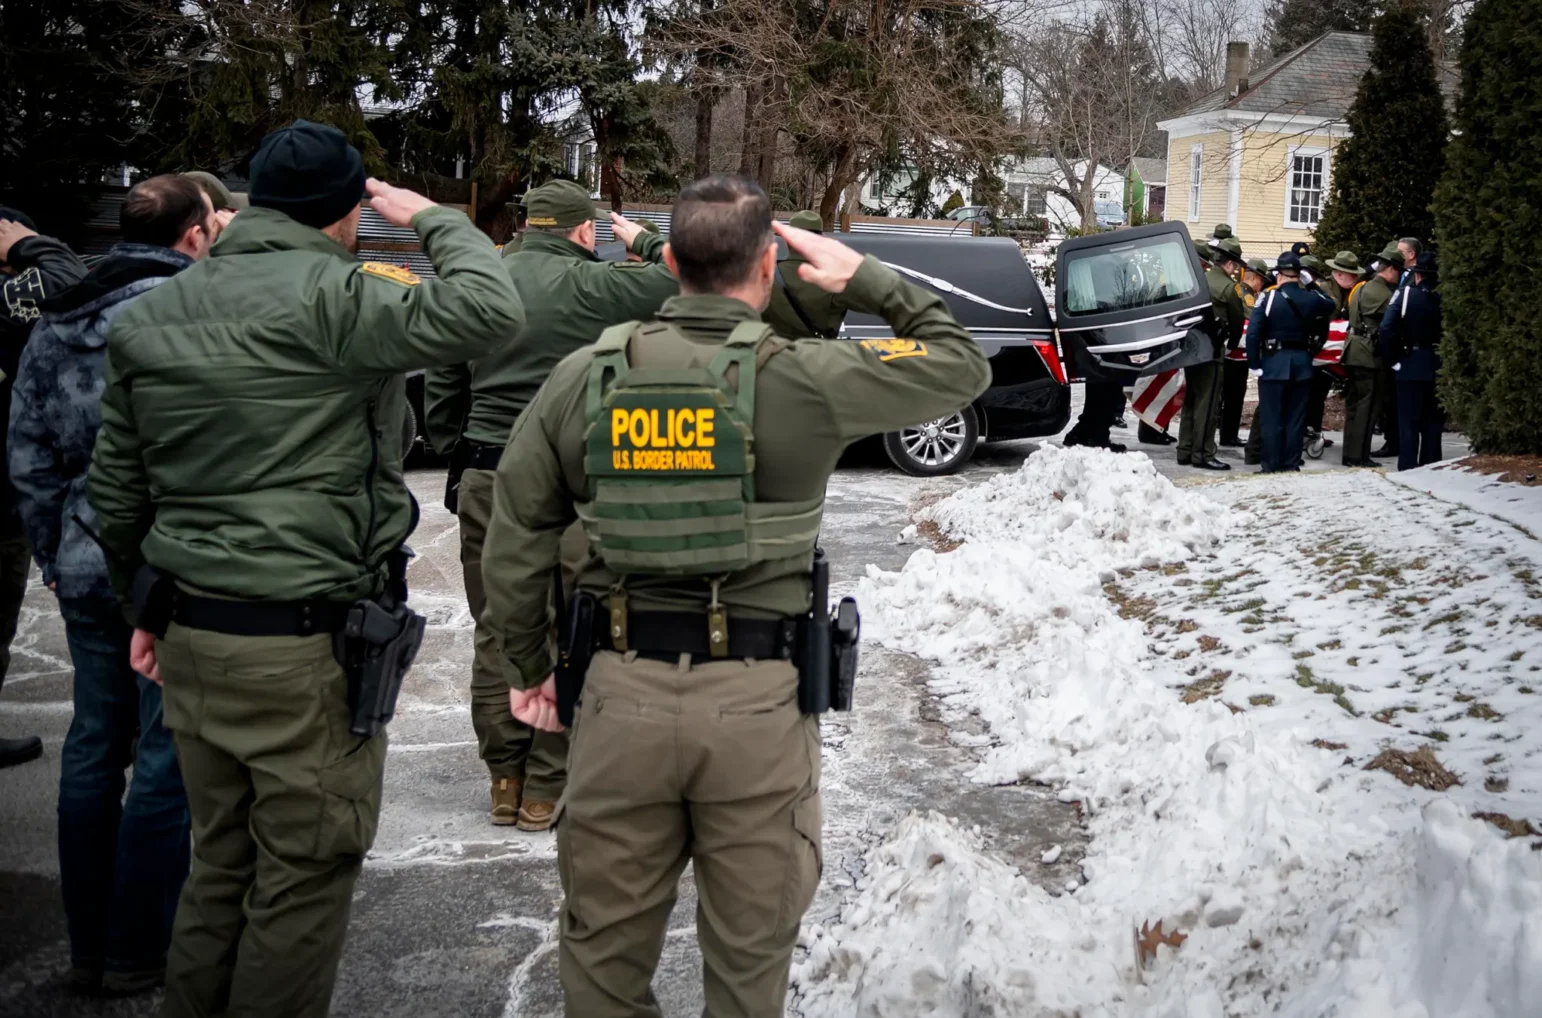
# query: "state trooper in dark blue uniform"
1409, 340
1289, 323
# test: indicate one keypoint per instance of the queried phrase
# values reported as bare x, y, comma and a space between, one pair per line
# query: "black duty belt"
665, 636
485, 457
259, 618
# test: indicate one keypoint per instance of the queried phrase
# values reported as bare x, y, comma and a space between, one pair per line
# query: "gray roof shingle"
1318, 79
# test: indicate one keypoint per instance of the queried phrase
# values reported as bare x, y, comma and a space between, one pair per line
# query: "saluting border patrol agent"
798, 307
569, 296
253, 512
1201, 418
1289, 325
696, 450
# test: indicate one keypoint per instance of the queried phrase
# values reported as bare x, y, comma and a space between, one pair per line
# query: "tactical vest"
670, 458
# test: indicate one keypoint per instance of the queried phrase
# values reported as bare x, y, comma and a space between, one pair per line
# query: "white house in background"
1034, 182
892, 192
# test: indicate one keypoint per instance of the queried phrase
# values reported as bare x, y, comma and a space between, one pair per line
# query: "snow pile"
1296, 880
935, 931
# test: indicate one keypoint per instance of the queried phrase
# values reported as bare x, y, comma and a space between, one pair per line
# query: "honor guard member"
570, 296
1202, 382
1234, 369
798, 307
1366, 302
1289, 324
1324, 282
1397, 253
244, 462
696, 450
221, 197
1409, 341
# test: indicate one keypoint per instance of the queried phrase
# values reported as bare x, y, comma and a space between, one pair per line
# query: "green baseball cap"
559, 204
808, 219
1346, 261
1222, 231
1227, 247
220, 196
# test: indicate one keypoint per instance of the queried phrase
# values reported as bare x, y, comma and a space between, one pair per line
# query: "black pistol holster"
575, 628
154, 596
376, 646
827, 658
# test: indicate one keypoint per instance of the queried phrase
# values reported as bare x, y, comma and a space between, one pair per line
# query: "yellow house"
1258, 151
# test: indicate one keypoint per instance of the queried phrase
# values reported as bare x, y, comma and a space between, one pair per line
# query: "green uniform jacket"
1367, 303
812, 399
1230, 314
248, 442
570, 297
825, 310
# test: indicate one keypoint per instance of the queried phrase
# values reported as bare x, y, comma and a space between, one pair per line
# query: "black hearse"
1127, 303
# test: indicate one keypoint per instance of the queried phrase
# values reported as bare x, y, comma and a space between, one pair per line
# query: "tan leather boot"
505, 801
537, 816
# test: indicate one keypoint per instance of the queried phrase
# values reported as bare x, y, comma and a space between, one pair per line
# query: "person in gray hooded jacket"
122, 861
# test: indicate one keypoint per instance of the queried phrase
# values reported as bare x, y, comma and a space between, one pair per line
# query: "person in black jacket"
1409, 340
32, 268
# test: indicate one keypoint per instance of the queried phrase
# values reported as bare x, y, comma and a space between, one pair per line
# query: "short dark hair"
720, 228
158, 211
1412, 244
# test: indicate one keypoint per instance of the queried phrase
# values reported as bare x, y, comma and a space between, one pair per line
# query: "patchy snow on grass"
1451, 481
1126, 641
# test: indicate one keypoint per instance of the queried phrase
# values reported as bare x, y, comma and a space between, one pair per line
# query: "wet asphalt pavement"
455, 917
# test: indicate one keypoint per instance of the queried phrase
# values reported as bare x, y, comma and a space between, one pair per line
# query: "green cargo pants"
1359, 413
1201, 418
285, 803
511, 749
711, 764
15, 563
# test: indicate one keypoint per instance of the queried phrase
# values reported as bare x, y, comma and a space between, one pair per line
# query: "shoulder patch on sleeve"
395, 273
893, 349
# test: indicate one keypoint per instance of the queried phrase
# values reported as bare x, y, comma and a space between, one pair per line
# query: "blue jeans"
121, 861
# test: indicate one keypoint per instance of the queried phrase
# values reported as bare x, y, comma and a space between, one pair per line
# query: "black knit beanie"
309, 172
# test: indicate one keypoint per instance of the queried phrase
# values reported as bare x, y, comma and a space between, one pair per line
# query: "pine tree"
1384, 174
1488, 216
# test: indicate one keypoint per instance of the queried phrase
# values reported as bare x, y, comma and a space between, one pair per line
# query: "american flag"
1333, 350
1158, 398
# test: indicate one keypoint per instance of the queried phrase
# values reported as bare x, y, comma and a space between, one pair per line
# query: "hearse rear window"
1120, 277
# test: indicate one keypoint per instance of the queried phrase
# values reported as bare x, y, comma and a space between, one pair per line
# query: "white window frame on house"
1196, 178
1306, 152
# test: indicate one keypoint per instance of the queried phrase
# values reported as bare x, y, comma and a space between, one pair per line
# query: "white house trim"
1234, 183
1327, 170
1196, 180
1212, 121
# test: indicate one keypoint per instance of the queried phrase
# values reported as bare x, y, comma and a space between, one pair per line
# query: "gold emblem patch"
894, 349
395, 273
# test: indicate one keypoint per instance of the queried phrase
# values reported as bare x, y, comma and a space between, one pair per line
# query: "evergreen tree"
1488, 216
64, 113
1384, 174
